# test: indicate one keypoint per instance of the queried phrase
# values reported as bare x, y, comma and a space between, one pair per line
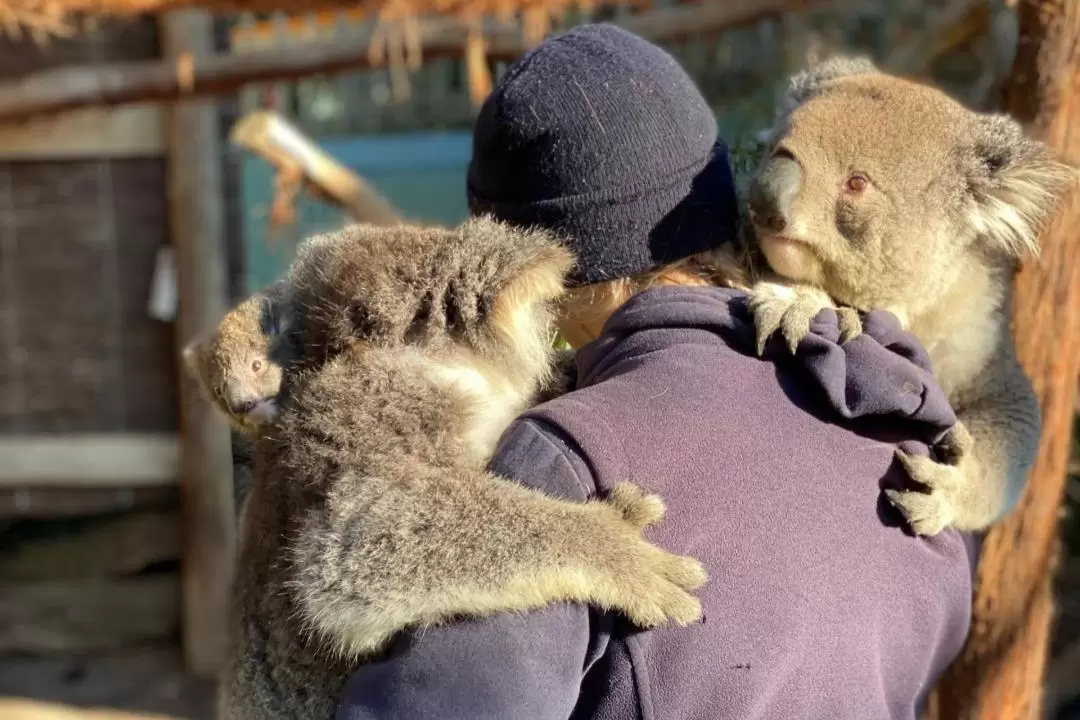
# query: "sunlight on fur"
494, 401
1010, 215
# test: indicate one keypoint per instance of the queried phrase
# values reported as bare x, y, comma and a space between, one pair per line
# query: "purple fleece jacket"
820, 603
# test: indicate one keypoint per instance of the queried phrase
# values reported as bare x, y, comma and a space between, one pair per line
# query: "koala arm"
504, 666
416, 545
986, 459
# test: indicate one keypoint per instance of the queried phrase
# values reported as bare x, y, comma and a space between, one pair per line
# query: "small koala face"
237, 365
250, 385
877, 187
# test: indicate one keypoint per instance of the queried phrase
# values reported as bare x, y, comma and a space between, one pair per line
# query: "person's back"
820, 604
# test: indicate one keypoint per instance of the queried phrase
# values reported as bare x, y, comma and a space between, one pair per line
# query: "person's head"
603, 138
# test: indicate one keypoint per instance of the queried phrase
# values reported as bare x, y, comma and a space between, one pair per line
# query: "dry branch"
1000, 672
280, 143
119, 83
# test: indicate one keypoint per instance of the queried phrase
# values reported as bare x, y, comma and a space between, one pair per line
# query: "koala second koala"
371, 511
885, 193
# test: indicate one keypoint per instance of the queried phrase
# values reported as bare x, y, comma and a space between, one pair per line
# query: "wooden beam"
65, 88
196, 218
1000, 672
68, 501
23, 709
105, 460
121, 132
99, 549
80, 616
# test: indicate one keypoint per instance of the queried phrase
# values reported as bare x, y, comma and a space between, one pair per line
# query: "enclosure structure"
104, 178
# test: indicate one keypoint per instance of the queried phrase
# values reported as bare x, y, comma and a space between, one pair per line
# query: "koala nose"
773, 191
243, 407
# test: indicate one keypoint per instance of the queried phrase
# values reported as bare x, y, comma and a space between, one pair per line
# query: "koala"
880, 192
239, 365
371, 509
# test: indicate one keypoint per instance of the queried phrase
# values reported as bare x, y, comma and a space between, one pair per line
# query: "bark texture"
999, 676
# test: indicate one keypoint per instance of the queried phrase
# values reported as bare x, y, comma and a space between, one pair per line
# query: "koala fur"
238, 366
885, 193
371, 510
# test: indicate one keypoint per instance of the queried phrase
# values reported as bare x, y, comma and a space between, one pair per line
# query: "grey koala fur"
371, 510
880, 192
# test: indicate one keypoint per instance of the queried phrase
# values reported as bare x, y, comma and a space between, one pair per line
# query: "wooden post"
196, 216
999, 676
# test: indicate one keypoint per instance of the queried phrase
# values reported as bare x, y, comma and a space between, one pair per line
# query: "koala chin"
883, 193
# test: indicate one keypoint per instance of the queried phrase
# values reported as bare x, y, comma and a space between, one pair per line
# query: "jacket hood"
885, 373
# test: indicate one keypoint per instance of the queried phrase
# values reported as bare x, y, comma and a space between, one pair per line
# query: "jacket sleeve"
504, 667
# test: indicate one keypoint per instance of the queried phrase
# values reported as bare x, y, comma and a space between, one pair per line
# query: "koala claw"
850, 324
929, 512
659, 594
787, 309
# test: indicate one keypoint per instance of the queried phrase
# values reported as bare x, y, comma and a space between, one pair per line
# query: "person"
820, 603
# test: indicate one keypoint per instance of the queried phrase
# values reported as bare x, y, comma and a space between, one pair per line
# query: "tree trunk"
1000, 673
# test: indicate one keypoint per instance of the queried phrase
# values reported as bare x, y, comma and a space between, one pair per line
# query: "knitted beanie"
602, 137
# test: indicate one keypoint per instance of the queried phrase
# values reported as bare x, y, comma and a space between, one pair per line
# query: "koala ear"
1015, 183
809, 82
190, 357
531, 267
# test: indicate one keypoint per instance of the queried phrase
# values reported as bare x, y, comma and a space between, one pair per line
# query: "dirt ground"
136, 684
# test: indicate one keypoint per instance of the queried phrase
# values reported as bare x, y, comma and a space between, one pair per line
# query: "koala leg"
790, 309
487, 546
986, 458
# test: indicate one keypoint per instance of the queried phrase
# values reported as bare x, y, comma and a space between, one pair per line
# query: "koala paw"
790, 309
638, 507
648, 584
931, 511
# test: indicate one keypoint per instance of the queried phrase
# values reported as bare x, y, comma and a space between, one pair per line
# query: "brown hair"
584, 309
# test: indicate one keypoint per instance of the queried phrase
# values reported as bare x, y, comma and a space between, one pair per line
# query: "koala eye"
856, 184
256, 366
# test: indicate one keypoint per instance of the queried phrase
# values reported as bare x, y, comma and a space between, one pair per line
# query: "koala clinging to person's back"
371, 511
886, 194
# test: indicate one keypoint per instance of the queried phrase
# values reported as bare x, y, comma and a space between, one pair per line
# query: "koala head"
482, 293
879, 189
237, 366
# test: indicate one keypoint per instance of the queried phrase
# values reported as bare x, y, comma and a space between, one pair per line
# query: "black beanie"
602, 137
